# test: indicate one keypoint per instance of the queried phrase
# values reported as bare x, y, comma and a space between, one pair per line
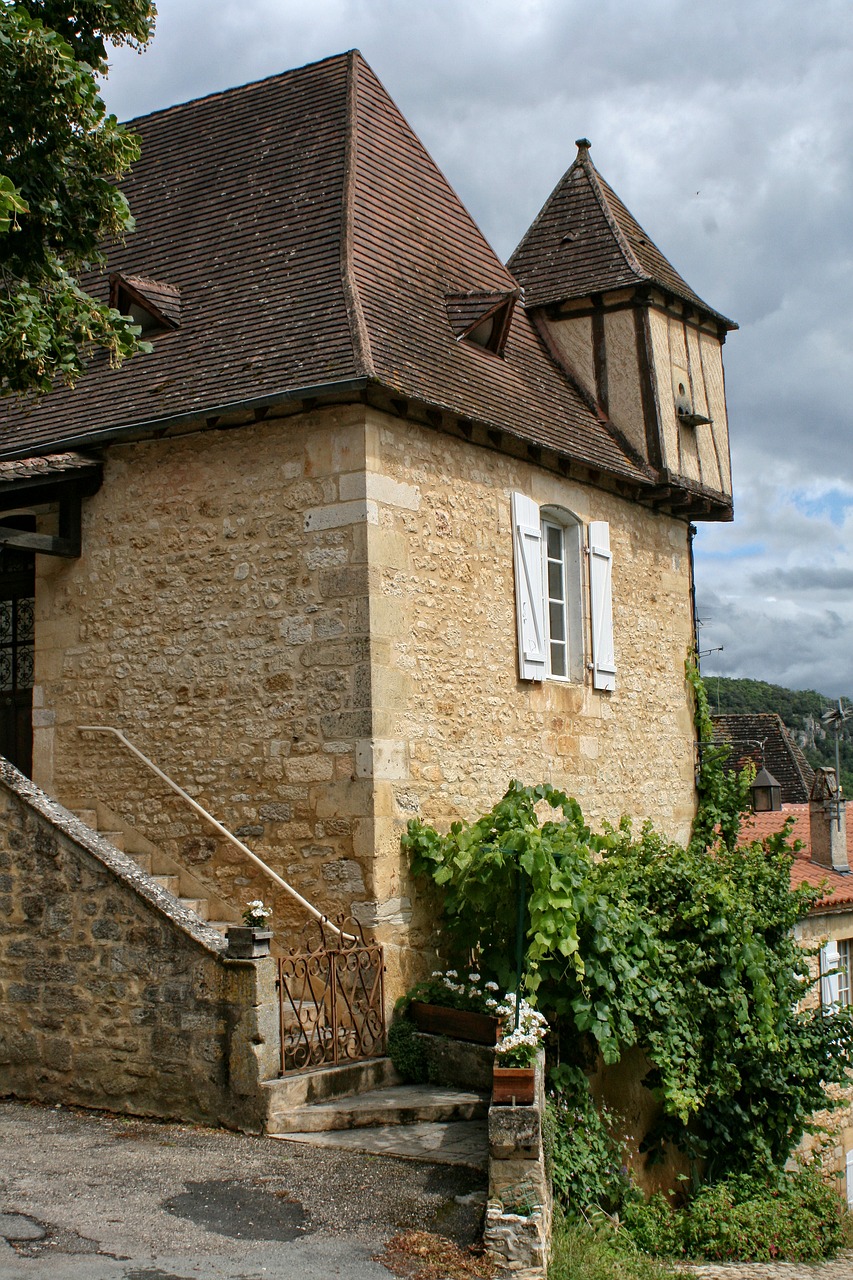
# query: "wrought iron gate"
331, 1007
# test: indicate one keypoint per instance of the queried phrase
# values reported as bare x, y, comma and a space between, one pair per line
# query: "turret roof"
586, 241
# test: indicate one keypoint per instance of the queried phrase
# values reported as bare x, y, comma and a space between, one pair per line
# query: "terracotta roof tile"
760, 825
47, 467
586, 241
763, 739
314, 243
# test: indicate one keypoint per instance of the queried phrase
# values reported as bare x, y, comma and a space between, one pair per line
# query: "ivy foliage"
60, 157
630, 940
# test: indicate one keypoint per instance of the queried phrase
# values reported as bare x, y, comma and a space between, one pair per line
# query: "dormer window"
153, 305
482, 319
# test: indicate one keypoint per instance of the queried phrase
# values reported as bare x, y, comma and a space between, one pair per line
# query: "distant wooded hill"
800, 710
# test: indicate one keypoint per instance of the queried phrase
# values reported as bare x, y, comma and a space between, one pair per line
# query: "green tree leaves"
60, 156
633, 940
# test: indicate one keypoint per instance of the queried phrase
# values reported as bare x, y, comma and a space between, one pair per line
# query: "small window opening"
153, 305
483, 319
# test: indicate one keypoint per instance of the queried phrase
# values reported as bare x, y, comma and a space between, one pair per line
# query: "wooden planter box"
513, 1086
460, 1024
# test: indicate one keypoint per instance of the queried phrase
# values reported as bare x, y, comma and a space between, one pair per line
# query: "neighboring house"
824, 860
379, 524
763, 740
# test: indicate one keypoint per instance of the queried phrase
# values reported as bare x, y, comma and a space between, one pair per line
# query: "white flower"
492, 986
473, 977
451, 973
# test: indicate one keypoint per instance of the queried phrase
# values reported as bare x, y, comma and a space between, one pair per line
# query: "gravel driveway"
86, 1196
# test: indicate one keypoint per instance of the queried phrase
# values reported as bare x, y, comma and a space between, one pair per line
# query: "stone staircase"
363, 1107
190, 891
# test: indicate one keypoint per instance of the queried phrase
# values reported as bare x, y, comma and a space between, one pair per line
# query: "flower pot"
513, 1086
460, 1024
246, 943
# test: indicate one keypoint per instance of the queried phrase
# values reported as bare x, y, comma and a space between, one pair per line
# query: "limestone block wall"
452, 721
110, 995
219, 616
814, 931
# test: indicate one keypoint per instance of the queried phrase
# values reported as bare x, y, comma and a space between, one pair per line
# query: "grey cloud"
804, 579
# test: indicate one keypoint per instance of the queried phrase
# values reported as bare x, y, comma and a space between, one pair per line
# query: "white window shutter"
848, 1169
601, 606
529, 595
829, 978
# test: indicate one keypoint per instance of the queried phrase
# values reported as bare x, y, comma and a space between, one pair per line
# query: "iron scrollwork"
331, 1006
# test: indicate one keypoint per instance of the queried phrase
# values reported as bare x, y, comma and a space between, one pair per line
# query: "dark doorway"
17, 650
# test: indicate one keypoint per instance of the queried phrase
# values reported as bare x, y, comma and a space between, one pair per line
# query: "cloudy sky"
727, 128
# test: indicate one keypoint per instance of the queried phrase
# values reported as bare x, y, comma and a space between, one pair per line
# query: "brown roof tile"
764, 739
48, 467
313, 242
586, 241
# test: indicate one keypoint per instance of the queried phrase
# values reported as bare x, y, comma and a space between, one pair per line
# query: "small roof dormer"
483, 318
153, 305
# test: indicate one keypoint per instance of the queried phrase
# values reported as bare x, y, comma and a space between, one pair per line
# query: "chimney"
828, 822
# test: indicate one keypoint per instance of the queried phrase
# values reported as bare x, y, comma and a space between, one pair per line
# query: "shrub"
406, 1053
585, 1155
795, 1215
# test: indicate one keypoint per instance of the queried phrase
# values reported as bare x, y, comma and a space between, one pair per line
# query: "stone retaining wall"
520, 1207
111, 995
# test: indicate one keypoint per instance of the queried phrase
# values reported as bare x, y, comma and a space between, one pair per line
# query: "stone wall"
310, 624
519, 1212
110, 994
815, 930
218, 616
453, 723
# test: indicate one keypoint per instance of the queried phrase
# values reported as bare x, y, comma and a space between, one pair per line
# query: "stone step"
324, 1083
172, 884
88, 816
221, 926
116, 838
199, 906
398, 1105
460, 1142
143, 861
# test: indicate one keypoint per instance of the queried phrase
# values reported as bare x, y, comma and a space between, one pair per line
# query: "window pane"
555, 542
558, 660
555, 579
844, 950
557, 621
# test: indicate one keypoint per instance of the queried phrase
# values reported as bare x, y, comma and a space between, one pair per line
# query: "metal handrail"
223, 831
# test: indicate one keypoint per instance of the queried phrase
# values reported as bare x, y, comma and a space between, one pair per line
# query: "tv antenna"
836, 717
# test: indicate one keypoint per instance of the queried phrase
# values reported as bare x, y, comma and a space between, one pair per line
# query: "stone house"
823, 860
379, 523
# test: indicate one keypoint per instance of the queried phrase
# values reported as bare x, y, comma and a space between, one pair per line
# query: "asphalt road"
86, 1196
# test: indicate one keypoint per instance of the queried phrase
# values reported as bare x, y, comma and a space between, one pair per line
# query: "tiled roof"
761, 825
48, 467
585, 241
763, 739
314, 243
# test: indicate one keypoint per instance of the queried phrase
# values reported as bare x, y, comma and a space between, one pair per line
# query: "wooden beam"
67, 543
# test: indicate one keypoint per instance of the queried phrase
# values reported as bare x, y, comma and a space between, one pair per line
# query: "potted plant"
463, 1007
251, 939
514, 1073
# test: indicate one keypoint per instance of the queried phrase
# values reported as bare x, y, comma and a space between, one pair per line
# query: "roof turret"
586, 241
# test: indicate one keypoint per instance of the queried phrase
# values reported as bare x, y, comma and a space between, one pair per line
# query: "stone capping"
119, 864
520, 1207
